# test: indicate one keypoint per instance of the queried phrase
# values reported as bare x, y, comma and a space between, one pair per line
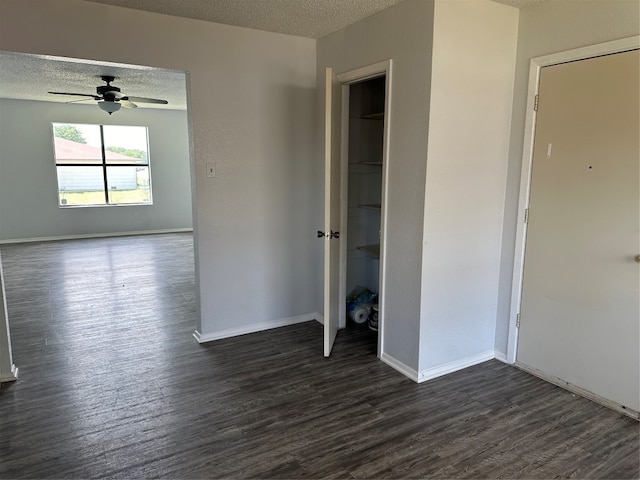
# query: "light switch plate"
211, 170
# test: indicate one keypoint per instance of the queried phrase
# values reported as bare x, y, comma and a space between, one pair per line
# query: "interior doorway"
32, 111
358, 103
363, 231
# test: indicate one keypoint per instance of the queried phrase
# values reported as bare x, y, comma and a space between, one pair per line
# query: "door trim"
367, 72
535, 66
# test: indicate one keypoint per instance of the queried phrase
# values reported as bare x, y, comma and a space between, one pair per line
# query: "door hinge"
518, 321
536, 101
526, 216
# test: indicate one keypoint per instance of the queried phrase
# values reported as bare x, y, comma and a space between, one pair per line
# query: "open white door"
333, 105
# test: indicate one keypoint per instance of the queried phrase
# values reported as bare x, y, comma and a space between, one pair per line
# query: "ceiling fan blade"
127, 104
145, 100
95, 97
81, 100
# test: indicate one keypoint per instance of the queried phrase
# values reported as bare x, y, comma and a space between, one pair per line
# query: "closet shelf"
373, 250
371, 206
373, 116
371, 163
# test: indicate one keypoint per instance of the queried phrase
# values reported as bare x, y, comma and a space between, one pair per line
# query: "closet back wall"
28, 186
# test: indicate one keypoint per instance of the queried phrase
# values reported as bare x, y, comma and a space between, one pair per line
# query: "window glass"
128, 185
77, 143
124, 144
80, 186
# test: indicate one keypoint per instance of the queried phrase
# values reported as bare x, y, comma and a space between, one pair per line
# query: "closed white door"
580, 312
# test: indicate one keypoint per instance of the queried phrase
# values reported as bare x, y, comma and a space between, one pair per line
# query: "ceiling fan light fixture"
109, 107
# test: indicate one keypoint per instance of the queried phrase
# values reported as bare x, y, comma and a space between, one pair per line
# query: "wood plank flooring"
113, 385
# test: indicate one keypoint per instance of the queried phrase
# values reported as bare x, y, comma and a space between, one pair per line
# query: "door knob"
638, 258
330, 235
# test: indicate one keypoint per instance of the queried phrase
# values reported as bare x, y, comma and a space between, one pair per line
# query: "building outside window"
100, 165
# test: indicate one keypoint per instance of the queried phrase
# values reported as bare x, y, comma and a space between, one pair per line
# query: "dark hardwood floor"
112, 384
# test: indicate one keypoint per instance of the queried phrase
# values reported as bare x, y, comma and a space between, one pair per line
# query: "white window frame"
105, 167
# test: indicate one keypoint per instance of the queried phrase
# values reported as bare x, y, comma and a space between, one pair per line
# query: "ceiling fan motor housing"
109, 93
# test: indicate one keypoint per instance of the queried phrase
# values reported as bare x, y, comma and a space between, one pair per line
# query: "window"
101, 165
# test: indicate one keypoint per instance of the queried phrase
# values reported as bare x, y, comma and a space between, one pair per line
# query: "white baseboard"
502, 357
10, 377
95, 235
254, 327
580, 391
454, 366
438, 371
399, 366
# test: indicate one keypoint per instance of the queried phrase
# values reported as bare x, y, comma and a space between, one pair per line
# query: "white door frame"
8, 371
536, 64
379, 69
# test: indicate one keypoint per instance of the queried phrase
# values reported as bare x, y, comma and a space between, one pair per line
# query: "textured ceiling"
304, 18
519, 3
30, 77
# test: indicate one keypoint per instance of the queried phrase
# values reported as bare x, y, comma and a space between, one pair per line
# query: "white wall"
28, 186
549, 27
471, 97
403, 33
251, 110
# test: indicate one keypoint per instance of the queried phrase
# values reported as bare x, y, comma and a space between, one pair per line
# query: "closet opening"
364, 208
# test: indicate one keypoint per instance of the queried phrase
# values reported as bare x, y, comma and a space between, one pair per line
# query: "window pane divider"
104, 166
